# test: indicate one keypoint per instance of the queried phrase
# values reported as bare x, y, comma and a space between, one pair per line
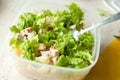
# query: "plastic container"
39, 71
114, 5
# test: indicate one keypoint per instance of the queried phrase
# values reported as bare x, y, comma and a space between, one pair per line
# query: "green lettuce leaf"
62, 61
77, 15
26, 20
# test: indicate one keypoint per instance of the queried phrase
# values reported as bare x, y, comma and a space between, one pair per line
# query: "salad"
47, 38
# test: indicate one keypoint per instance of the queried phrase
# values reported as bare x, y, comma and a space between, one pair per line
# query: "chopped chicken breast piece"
38, 48
41, 46
45, 53
54, 52
54, 59
26, 34
44, 59
51, 54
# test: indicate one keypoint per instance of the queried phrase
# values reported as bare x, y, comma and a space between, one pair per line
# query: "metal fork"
113, 18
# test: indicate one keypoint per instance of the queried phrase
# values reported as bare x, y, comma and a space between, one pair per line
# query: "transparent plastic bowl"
39, 71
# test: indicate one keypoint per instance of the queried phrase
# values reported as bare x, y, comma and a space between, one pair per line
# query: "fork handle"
113, 18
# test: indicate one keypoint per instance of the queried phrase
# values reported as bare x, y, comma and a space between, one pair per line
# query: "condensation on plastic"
39, 71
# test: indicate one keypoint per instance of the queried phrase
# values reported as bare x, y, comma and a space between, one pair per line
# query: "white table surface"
9, 10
